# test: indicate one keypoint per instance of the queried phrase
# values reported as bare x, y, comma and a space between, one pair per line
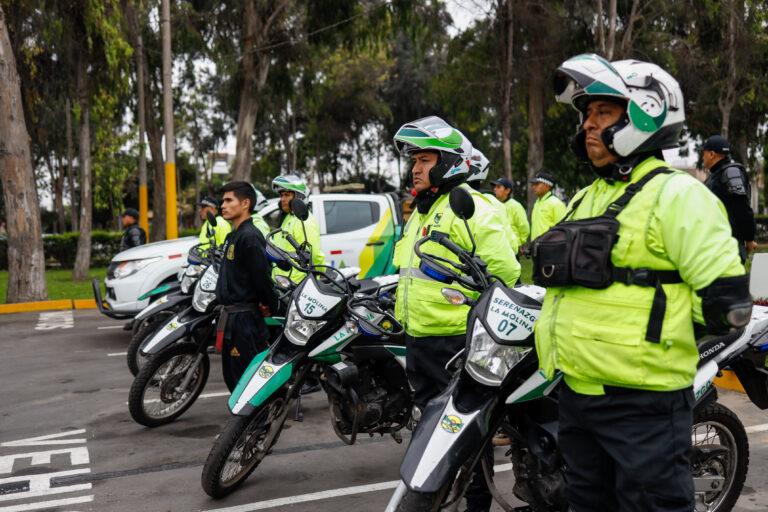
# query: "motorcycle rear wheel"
716, 426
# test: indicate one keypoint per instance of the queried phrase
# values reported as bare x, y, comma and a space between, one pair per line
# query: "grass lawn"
60, 284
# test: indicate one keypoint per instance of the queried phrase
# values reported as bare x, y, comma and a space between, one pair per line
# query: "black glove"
726, 304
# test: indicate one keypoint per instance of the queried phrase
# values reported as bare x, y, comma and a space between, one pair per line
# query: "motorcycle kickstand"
298, 415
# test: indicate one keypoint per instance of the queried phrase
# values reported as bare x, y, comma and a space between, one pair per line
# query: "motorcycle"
497, 387
177, 297
338, 329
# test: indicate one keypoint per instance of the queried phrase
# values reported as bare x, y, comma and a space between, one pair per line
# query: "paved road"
63, 404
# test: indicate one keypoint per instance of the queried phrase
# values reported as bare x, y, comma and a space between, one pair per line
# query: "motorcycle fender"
165, 288
754, 380
443, 441
260, 380
178, 327
165, 302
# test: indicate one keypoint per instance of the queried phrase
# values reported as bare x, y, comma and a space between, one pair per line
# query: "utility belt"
578, 253
225, 311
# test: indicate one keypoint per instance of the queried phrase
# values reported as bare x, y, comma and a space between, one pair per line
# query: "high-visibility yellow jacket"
419, 303
547, 211
518, 218
598, 337
220, 232
292, 225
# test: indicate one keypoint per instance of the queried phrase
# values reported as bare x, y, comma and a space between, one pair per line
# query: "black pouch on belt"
578, 252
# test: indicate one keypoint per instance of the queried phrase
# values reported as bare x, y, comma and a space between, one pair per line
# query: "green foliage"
60, 284
60, 249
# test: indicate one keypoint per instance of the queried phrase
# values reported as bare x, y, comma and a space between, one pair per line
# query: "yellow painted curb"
84, 303
729, 381
43, 305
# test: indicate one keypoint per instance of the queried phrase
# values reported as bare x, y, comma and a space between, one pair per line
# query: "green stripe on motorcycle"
274, 321
246, 378
396, 350
155, 291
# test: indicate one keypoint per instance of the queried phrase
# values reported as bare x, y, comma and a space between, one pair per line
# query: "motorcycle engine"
366, 398
542, 487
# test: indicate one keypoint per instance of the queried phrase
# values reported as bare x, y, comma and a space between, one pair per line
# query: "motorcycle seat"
365, 286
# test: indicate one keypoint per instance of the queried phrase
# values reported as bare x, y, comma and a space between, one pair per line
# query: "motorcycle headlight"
487, 361
190, 276
130, 267
298, 330
201, 300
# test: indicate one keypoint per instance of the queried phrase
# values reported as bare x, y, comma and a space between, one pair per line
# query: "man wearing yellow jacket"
222, 229
548, 210
502, 189
435, 329
627, 347
289, 187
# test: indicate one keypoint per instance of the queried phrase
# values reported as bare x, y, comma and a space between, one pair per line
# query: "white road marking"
40, 485
55, 320
757, 428
47, 504
323, 495
114, 354
110, 327
204, 395
47, 439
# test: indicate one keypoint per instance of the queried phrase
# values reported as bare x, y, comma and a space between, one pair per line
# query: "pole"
143, 197
171, 224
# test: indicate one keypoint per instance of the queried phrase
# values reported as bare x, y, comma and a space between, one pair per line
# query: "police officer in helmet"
728, 180
436, 330
626, 346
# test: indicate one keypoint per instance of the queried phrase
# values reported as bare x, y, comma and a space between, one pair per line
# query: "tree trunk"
600, 29
70, 173
535, 127
26, 261
627, 41
727, 98
83, 256
611, 29
256, 63
57, 189
506, 86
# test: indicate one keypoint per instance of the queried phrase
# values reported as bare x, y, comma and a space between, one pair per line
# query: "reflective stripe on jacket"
420, 305
598, 337
547, 211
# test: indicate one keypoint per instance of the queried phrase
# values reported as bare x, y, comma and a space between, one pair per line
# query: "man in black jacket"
244, 287
728, 180
133, 235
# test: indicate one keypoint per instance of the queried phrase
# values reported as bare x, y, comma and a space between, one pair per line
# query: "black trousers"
245, 335
425, 360
627, 451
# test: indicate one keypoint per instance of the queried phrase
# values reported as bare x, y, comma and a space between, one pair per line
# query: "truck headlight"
130, 267
487, 361
298, 330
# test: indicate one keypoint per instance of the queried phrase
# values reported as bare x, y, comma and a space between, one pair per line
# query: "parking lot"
67, 442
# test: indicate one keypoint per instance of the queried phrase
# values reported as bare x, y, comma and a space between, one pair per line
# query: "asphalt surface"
63, 404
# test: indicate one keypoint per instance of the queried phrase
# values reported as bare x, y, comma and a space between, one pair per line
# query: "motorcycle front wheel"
720, 458
156, 396
242, 445
146, 328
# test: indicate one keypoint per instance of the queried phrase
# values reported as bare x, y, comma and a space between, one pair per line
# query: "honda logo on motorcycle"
451, 424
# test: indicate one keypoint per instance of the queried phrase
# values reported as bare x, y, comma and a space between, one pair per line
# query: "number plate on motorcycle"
509, 320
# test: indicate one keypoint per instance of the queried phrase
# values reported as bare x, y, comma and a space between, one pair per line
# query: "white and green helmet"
479, 166
434, 134
655, 112
291, 183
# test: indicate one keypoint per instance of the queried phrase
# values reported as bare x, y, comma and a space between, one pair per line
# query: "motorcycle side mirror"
463, 206
211, 219
300, 209
461, 203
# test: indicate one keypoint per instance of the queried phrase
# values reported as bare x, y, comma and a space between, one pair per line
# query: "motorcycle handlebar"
374, 304
477, 278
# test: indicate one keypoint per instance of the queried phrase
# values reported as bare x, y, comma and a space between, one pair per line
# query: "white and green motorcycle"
337, 329
497, 387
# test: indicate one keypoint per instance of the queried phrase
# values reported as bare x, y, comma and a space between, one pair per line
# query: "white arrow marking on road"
323, 495
46, 440
110, 327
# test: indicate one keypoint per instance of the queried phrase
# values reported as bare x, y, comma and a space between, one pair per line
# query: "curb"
729, 381
47, 305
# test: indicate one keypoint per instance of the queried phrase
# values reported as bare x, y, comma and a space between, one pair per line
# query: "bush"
60, 250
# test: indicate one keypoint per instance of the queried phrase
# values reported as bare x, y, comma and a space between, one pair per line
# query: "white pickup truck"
356, 230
